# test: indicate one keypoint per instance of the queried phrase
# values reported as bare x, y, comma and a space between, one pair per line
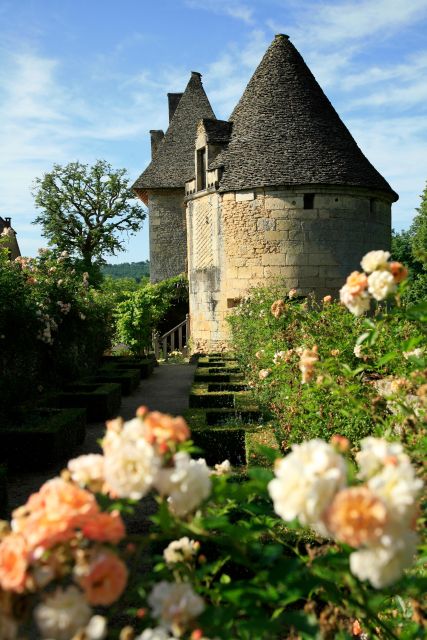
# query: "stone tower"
11, 243
280, 191
161, 185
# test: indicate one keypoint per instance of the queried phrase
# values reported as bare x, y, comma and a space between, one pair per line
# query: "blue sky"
87, 79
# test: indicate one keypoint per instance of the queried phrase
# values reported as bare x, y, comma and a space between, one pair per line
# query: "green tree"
418, 231
85, 210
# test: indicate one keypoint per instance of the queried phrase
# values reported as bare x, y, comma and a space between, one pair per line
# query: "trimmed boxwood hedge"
3, 492
100, 399
145, 365
200, 397
128, 378
48, 435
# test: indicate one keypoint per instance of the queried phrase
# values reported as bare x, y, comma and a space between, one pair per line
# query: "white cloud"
332, 23
232, 8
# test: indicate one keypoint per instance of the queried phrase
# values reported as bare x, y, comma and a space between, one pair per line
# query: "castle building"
7, 232
278, 193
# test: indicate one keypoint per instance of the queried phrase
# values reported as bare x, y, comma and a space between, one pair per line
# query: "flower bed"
101, 401
227, 556
47, 436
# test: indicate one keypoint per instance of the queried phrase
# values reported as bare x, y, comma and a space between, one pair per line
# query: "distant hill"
136, 270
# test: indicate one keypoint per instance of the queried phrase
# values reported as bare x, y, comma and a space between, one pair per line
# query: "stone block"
274, 236
310, 282
272, 272
300, 214
244, 196
246, 273
305, 271
295, 259
266, 224
290, 272
296, 234
273, 203
321, 259
229, 197
273, 259
284, 225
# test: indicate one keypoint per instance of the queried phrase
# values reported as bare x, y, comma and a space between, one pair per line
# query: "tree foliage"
135, 270
85, 209
418, 231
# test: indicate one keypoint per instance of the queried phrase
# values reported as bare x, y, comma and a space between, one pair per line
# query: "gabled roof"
286, 132
174, 159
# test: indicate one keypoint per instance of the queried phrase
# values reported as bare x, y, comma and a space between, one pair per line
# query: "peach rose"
105, 579
356, 283
105, 527
356, 516
398, 271
52, 515
278, 308
327, 299
13, 563
162, 428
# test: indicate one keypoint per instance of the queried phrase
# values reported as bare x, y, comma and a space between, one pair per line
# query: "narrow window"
371, 205
308, 200
201, 169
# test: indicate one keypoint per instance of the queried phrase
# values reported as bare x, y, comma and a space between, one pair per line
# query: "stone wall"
168, 234
266, 236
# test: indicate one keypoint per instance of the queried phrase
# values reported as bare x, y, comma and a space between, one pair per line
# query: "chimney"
156, 136
173, 100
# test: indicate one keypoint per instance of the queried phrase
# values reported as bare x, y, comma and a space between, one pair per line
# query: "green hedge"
145, 365
201, 398
46, 436
4, 502
128, 378
101, 400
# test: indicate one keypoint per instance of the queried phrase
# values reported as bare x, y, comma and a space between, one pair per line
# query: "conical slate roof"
286, 132
174, 159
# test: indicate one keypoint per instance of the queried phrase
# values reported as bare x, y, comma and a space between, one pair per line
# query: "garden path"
165, 390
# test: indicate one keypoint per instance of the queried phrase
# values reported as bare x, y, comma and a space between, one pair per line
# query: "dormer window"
201, 169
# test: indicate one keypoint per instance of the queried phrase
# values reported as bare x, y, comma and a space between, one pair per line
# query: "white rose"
375, 452
97, 628
398, 488
415, 353
375, 260
306, 481
175, 604
358, 351
62, 614
383, 565
87, 471
189, 484
180, 550
381, 284
159, 633
131, 468
222, 469
357, 304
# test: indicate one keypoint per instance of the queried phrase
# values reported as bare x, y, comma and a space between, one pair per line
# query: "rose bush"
53, 326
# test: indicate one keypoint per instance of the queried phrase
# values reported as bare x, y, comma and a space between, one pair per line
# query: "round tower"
288, 198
